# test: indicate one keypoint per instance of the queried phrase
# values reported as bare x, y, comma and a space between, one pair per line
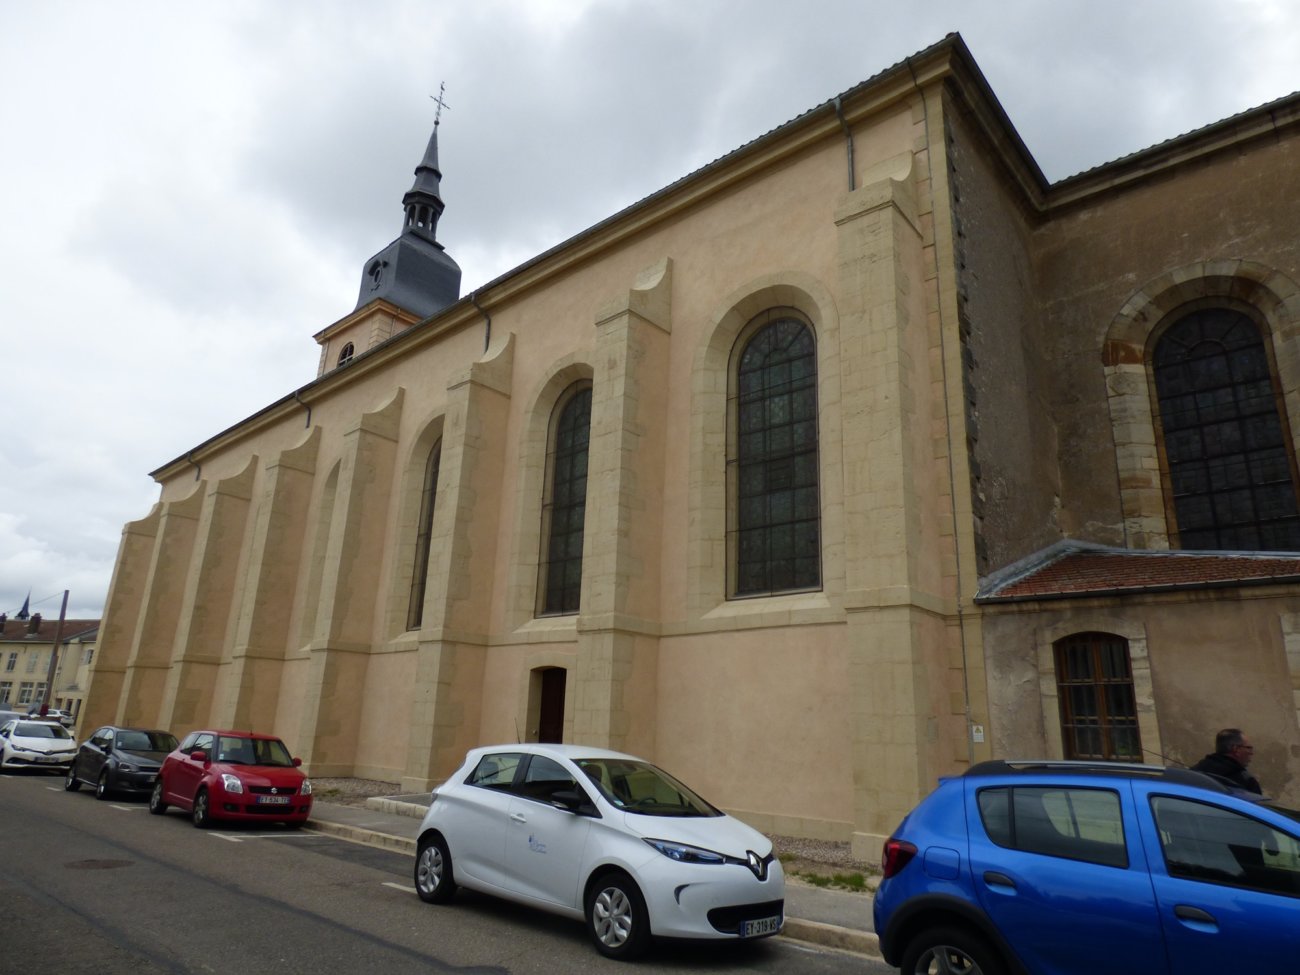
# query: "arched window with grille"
1094, 682
564, 506
346, 353
424, 533
1230, 470
774, 507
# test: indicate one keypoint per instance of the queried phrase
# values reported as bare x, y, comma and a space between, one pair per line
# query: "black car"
119, 760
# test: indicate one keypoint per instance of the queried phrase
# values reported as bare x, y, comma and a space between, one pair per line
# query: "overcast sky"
188, 191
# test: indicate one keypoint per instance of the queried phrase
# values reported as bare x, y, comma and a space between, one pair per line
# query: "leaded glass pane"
565, 510
774, 471
1230, 467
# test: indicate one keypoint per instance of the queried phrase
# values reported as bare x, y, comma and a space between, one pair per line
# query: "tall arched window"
1231, 473
564, 508
346, 354
424, 532
1094, 682
774, 512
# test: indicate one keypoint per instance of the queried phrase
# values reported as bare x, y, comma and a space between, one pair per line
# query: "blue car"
1057, 868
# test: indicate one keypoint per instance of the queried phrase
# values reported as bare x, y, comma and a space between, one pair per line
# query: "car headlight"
306, 787
231, 783
683, 853
125, 767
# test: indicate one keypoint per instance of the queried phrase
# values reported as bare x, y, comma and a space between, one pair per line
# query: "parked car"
1058, 868
46, 746
601, 836
63, 717
233, 775
119, 760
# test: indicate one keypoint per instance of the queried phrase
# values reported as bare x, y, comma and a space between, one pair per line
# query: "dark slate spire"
414, 272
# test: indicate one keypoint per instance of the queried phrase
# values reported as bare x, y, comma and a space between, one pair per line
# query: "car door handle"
518, 818
1185, 912
995, 879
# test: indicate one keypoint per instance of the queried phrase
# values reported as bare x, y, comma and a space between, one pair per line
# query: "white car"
31, 744
595, 834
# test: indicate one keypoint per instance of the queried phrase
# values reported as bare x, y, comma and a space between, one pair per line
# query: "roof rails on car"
1182, 776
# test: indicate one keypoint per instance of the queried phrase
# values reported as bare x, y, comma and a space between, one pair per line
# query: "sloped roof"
1074, 570
16, 630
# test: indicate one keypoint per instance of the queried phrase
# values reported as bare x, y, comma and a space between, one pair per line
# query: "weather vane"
438, 100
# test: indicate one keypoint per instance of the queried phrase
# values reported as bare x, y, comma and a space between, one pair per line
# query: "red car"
233, 775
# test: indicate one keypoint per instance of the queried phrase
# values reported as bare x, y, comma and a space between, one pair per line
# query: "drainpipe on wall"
487, 335
298, 400
848, 137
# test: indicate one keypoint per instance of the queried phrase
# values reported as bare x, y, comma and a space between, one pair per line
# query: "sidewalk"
832, 918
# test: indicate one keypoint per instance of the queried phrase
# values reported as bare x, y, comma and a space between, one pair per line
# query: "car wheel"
201, 814
156, 804
102, 790
951, 950
70, 783
434, 881
616, 917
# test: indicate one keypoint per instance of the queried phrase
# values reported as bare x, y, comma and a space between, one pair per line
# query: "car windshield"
145, 741
39, 729
235, 750
641, 788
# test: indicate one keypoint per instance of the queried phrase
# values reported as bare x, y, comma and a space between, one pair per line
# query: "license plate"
761, 926
273, 800
48, 758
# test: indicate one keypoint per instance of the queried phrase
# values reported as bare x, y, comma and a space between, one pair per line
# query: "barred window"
564, 509
774, 515
424, 533
1094, 682
1231, 473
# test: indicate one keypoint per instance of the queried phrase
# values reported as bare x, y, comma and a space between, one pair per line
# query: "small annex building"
855, 456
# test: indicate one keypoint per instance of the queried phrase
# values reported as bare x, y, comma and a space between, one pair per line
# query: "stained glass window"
775, 522
564, 510
1229, 460
420, 572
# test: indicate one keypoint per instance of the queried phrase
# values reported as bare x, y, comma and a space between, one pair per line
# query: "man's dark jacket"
1229, 770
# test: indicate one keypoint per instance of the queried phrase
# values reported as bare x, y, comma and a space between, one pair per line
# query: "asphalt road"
104, 887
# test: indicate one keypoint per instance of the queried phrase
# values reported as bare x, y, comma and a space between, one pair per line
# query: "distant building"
25, 649
855, 456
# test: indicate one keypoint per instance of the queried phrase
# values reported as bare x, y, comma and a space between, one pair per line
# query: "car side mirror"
199, 755
297, 763
571, 800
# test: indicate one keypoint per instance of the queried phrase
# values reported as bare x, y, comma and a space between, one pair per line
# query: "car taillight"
897, 854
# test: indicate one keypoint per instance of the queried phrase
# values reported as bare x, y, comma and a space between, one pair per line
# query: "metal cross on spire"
438, 100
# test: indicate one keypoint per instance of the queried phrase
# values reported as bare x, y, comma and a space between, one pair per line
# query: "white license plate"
48, 758
273, 800
762, 926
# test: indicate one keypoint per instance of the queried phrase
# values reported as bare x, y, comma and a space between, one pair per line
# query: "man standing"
1232, 753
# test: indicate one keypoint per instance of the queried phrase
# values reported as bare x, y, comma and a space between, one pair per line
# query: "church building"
856, 456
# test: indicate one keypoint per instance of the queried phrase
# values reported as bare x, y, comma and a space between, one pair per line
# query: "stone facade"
978, 398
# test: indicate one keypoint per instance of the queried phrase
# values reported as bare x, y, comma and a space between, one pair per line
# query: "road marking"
259, 836
402, 887
125, 808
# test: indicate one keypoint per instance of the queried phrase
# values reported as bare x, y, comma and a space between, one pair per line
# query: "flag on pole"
23, 613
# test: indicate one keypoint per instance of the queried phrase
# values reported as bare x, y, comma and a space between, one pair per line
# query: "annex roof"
1074, 570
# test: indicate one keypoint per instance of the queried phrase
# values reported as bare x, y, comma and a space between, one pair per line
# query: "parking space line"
402, 887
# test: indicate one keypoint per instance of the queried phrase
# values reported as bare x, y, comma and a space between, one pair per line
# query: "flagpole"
54, 657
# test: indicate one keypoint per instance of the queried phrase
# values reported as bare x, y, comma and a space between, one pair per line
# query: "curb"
796, 929
832, 936
368, 837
